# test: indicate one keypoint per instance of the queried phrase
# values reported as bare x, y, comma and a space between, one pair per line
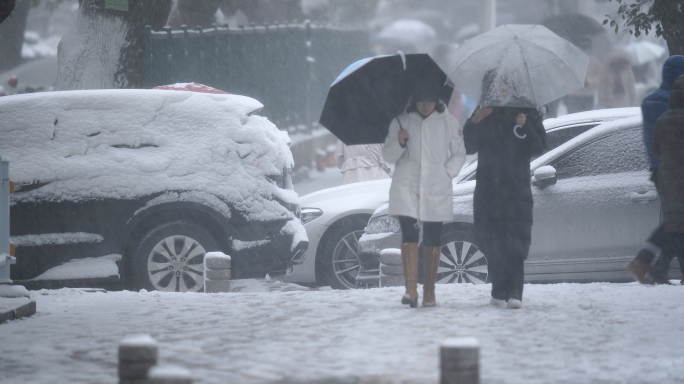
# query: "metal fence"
5, 245
288, 67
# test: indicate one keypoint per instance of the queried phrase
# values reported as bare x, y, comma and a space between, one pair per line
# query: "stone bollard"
460, 361
169, 374
216, 272
391, 271
137, 354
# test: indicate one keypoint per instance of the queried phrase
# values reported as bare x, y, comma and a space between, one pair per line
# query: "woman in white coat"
426, 144
360, 162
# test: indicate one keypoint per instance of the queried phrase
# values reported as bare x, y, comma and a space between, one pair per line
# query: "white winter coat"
421, 184
360, 162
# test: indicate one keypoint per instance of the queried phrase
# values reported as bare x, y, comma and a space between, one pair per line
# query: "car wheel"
461, 260
338, 263
171, 258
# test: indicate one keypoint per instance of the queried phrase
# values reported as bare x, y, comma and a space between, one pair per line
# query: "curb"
25, 310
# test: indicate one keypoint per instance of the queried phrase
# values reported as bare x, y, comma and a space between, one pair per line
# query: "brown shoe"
431, 256
409, 262
638, 269
659, 275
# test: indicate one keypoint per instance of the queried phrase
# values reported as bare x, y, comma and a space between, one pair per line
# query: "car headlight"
309, 214
383, 224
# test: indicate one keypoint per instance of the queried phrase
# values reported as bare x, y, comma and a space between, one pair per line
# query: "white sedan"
335, 218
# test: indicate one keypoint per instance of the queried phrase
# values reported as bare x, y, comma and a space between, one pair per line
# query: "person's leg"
496, 264
655, 244
516, 281
409, 259
670, 249
432, 252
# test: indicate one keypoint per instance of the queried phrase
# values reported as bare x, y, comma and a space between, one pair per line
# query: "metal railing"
287, 67
6, 257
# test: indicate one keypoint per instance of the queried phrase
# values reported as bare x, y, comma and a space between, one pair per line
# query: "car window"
619, 152
554, 138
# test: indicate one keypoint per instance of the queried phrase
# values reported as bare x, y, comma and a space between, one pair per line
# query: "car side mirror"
544, 176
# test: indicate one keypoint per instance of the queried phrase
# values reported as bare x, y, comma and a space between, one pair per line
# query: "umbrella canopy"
408, 31
518, 66
644, 51
192, 87
574, 27
368, 94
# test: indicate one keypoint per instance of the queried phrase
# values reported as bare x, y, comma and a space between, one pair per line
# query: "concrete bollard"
169, 374
137, 354
460, 361
216, 272
391, 270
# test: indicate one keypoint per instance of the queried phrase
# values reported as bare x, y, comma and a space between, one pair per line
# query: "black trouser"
672, 246
432, 231
669, 249
506, 272
508, 277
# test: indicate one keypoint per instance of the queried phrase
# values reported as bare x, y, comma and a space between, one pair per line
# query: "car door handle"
643, 198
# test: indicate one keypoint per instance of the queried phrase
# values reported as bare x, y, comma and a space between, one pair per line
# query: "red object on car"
193, 87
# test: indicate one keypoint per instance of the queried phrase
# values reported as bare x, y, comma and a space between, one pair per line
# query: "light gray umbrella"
518, 66
644, 51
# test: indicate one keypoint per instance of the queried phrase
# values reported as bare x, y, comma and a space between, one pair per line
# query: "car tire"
461, 262
337, 263
171, 258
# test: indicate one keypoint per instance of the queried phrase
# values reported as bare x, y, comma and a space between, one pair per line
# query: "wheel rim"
345, 260
176, 264
462, 262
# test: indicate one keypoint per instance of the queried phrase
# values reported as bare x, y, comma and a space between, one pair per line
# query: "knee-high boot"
409, 262
431, 256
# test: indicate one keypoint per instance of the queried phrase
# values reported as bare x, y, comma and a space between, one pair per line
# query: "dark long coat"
668, 145
503, 196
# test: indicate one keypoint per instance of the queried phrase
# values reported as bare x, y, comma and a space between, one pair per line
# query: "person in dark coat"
505, 138
668, 145
654, 106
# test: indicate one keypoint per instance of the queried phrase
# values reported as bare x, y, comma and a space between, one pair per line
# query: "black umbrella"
574, 27
368, 94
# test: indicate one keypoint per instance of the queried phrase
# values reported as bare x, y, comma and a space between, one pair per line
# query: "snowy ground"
272, 332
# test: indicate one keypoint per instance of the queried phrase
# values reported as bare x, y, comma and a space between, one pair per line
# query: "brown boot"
638, 269
659, 275
431, 256
409, 262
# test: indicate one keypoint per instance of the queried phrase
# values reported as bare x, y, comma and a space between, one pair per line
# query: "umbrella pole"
487, 15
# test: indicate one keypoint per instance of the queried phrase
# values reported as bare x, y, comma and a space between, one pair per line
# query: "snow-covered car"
142, 183
335, 218
594, 206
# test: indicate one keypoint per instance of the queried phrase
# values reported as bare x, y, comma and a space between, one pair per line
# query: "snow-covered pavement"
271, 332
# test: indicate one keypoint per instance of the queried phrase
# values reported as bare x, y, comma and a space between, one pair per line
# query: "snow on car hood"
347, 190
125, 144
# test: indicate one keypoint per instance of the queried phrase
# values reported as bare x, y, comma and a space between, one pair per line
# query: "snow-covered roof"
125, 144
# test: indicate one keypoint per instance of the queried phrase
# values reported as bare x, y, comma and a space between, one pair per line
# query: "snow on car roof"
125, 144
598, 115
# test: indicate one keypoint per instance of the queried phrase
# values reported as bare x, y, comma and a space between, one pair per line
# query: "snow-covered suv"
147, 181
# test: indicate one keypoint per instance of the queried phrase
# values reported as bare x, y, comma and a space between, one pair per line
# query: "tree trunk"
675, 46
106, 48
12, 37
671, 18
6, 8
